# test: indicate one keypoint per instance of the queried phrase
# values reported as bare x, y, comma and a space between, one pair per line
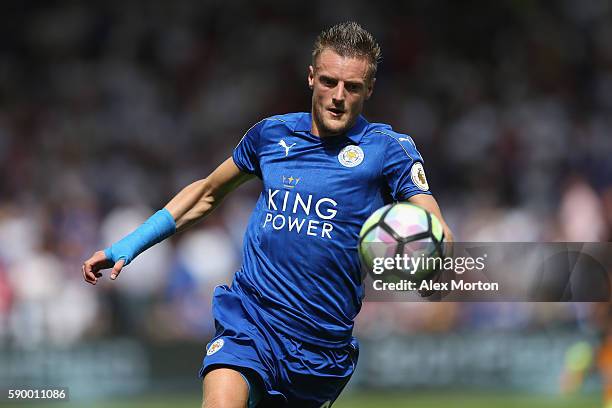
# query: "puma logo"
283, 144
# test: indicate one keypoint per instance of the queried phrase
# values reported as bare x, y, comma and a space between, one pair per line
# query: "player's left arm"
429, 203
405, 176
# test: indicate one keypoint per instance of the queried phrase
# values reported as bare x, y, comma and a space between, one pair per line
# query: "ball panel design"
402, 229
373, 219
376, 244
379, 234
407, 220
424, 247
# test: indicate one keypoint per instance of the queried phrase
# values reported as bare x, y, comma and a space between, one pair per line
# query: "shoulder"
382, 133
273, 126
286, 121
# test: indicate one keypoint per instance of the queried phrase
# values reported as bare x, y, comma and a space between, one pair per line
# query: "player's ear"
310, 77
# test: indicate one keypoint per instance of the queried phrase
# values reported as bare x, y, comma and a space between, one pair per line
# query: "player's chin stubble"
330, 127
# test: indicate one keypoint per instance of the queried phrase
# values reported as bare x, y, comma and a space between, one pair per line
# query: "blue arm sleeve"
403, 169
246, 153
158, 227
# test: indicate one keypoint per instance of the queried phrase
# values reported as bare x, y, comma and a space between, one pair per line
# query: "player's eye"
329, 82
353, 88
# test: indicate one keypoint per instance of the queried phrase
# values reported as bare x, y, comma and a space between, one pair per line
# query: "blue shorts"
289, 372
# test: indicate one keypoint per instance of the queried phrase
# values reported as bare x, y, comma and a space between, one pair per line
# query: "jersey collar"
304, 124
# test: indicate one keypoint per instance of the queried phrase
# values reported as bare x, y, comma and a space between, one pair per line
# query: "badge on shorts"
215, 346
417, 173
351, 156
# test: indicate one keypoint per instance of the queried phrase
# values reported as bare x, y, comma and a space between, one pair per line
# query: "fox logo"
283, 144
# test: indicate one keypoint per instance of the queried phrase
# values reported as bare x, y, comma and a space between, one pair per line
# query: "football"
402, 230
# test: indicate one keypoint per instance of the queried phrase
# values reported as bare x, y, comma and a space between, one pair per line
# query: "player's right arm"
188, 207
198, 199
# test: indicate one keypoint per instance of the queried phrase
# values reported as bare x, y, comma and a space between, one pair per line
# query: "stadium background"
109, 108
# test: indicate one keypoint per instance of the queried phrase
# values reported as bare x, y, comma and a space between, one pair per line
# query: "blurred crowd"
109, 109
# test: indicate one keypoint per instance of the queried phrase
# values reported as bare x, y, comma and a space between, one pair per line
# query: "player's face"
340, 86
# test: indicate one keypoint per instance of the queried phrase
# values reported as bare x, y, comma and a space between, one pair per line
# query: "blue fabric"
301, 265
157, 228
288, 371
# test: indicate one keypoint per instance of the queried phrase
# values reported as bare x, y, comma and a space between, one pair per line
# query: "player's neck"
322, 135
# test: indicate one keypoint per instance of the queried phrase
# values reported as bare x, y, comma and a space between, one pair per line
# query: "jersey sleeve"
246, 153
403, 169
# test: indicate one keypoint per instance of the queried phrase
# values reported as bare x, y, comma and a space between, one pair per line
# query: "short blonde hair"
349, 39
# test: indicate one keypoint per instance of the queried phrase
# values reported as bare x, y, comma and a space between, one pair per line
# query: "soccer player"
284, 326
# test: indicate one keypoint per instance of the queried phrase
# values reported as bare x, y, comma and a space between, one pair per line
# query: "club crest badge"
215, 346
351, 156
417, 173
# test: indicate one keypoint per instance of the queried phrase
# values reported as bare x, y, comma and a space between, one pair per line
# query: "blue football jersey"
301, 266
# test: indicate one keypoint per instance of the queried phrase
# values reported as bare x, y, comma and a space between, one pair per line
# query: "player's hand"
97, 262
